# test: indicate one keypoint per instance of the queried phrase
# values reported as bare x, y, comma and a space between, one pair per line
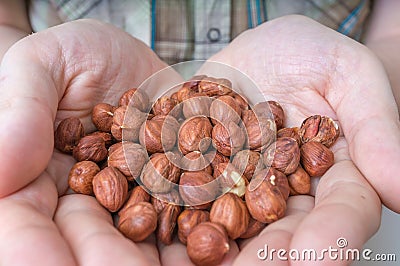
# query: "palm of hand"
314, 82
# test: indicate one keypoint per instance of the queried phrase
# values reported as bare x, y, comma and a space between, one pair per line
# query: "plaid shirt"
181, 30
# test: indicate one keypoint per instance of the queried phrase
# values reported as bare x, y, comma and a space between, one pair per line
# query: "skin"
306, 67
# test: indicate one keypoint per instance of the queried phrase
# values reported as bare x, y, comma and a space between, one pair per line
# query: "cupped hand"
311, 69
48, 76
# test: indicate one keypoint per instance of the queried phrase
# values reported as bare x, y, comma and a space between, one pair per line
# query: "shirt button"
214, 34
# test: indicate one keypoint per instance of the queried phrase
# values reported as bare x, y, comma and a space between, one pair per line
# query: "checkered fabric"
181, 30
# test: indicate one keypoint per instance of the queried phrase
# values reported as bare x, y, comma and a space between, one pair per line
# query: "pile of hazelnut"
200, 163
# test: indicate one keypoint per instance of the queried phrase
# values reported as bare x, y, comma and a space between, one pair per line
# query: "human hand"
310, 69
45, 78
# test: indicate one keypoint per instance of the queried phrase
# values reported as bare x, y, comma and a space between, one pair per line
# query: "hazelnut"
81, 175
260, 130
279, 179
114, 147
90, 148
278, 113
195, 134
215, 86
240, 100
159, 174
320, 129
253, 229
264, 199
102, 116
290, 132
68, 134
135, 98
126, 123
299, 182
316, 158
189, 88
159, 134
283, 154
138, 194
196, 106
231, 212
195, 161
110, 188
207, 244
248, 162
167, 222
138, 221
129, 158
225, 109
166, 105
197, 189
160, 200
228, 138
188, 219
230, 179
108, 139
216, 158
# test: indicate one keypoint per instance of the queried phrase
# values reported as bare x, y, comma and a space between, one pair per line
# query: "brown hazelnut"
264, 200
278, 113
167, 222
166, 105
135, 98
196, 105
108, 139
159, 174
228, 138
253, 229
215, 86
138, 194
283, 154
290, 132
188, 219
138, 221
90, 148
216, 158
114, 147
195, 161
207, 244
260, 130
102, 116
299, 182
241, 100
195, 134
230, 179
225, 109
197, 189
320, 129
189, 88
129, 158
279, 179
126, 123
230, 211
159, 134
248, 162
110, 188
316, 158
160, 200
81, 175
68, 134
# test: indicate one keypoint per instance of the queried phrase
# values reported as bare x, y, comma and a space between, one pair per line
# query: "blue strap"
153, 24
348, 23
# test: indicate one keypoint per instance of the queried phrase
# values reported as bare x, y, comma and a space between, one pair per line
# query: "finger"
29, 236
60, 65
92, 237
276, 235
346, 207
176, 254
